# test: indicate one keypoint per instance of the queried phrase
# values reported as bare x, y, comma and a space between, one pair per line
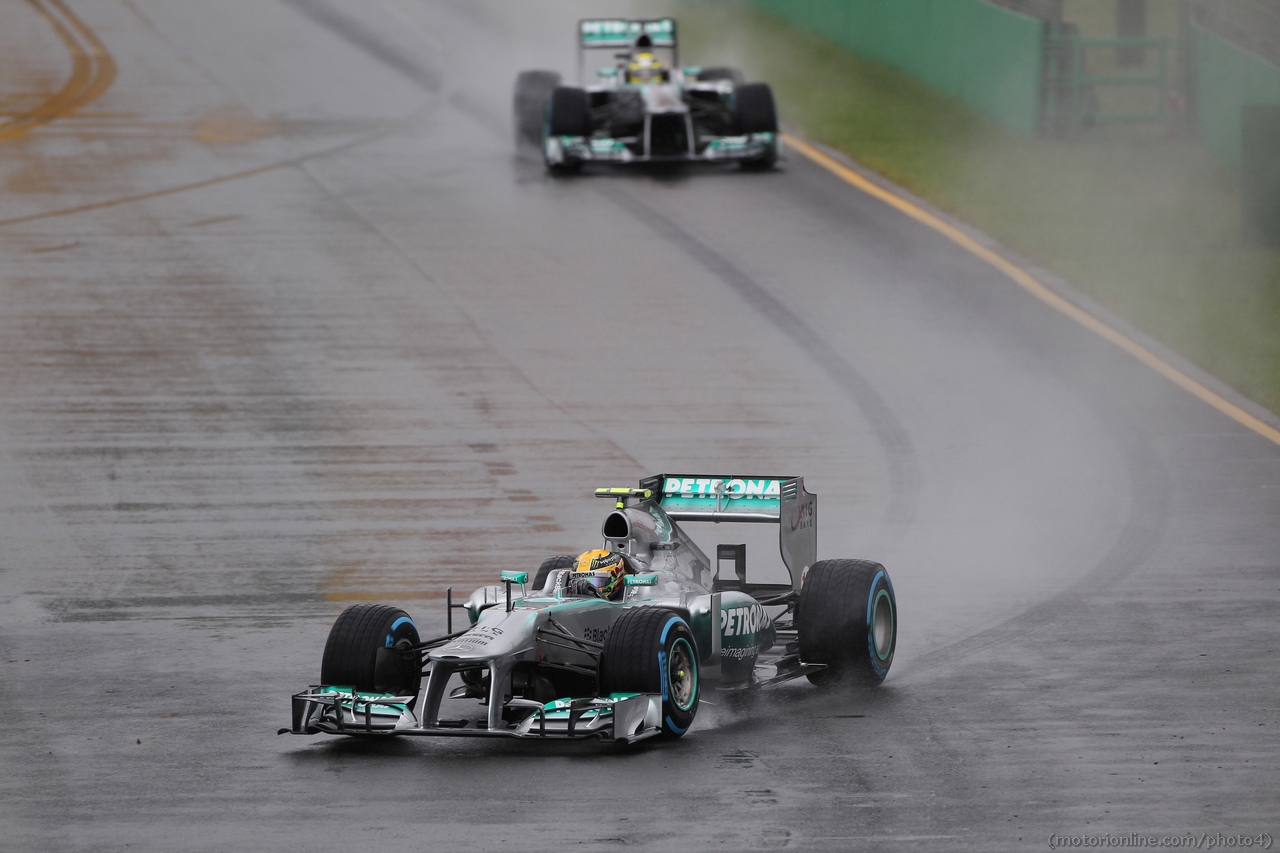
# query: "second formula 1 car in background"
645, 107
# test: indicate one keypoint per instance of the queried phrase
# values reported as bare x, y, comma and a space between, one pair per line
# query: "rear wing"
622, 33
762, 500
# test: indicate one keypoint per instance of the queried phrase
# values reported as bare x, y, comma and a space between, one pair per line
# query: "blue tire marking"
871, 596
871, 639
396, 624
662, 665
674, 727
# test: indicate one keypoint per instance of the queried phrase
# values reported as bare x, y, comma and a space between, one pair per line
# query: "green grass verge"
1150, 226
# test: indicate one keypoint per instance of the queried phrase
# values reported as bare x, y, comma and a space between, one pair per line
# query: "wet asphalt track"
285, 325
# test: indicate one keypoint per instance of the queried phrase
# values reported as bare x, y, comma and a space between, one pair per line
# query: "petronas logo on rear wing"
693, 495
623, 32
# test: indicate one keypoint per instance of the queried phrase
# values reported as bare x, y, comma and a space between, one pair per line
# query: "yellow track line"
181, 188
92, 70
1030, 284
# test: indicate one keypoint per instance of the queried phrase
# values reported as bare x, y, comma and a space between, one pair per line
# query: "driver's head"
604, 570
646, 68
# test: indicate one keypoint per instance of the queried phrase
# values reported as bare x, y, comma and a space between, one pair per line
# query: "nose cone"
664, 99
497, 634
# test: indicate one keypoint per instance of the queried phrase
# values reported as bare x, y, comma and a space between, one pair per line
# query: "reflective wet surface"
285, 324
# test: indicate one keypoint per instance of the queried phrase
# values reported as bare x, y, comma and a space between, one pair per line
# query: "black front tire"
568, 112
754, 110
529, 104
652, 650
369, 649
847, 618
763, 163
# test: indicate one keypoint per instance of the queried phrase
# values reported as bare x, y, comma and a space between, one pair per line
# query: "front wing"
583, 149
619, 718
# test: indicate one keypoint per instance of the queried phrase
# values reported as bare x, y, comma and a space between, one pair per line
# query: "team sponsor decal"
802, 518
739, 654
739, 621
480, 635
615, 30
710, 487
596, 635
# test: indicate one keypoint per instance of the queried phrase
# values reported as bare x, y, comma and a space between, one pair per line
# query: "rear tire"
652, 650
549, 565
847, 618
529, 104
351, 657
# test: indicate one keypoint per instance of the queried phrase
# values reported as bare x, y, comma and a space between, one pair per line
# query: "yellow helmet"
646, 68
604, 570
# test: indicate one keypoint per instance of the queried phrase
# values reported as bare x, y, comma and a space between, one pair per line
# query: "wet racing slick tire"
652, 650
754, 112
529, 104
549, 565
754, 109
353, 655
568, 114
847, 618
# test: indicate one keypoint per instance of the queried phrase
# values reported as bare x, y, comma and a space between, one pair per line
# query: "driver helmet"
604, 570
646, 68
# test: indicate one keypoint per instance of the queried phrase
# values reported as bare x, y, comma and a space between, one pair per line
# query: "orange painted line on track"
1033, 286
92, 70
99, 205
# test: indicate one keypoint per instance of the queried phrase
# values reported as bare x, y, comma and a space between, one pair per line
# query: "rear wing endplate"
761, 500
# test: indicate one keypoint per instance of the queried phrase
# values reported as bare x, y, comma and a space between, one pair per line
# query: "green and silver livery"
644, 106
542, 655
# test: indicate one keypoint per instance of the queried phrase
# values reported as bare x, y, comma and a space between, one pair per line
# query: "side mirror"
508, 578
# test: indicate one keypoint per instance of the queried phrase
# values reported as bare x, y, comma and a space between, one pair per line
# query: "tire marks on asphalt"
370, 42
92, 71
900, 455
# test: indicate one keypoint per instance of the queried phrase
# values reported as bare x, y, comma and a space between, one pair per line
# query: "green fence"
1077, 97
985, 55
1227, 78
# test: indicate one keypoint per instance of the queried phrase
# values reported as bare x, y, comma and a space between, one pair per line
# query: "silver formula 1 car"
547, 657
646, 107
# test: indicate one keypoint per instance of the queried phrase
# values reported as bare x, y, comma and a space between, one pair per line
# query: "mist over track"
285, 324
